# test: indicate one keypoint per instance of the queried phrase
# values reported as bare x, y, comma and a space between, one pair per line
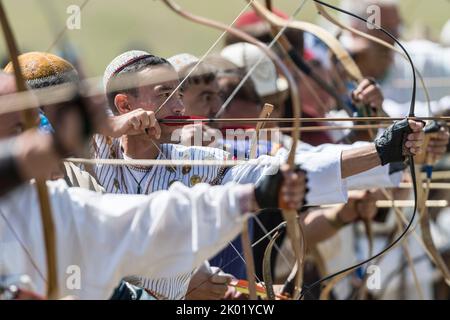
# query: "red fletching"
195, 120
243, 127
251, 18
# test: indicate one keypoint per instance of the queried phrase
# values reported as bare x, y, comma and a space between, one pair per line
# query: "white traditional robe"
378, 177
106, 237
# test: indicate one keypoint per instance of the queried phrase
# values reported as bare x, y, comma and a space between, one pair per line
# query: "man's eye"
166, 95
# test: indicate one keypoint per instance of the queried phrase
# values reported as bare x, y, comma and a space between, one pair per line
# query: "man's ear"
122, 104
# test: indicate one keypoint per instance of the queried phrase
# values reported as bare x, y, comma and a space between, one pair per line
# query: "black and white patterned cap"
120, 62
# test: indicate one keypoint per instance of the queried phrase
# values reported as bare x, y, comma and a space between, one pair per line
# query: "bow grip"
431, 131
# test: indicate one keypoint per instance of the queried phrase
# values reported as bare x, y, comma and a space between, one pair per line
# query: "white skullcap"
120, 62
264, 76
182, 60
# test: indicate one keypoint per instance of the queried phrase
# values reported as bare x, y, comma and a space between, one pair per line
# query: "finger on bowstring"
416, 125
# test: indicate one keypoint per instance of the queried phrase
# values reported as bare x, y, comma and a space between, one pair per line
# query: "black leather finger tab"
391, 144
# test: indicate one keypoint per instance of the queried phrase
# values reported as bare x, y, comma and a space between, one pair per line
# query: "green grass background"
109, 27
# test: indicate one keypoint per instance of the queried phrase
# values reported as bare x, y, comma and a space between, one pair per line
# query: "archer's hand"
368, 93
437, 147
285, 190
293, 189
208, 283
361, 205
35, 155
136, 122
401, 139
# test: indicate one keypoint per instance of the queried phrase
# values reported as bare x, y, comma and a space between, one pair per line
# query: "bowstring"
255, 65
205, 55
64, 30
221, 110
307, 289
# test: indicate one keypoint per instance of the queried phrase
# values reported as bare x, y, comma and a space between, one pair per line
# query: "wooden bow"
422, 194
411, 158
352, 70
290, 216
45, 208
349, 65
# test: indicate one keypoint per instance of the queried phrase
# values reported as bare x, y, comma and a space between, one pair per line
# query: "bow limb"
422, 194
428, 240
246, 241
45, 208
265, 113
250, 262
408, 256
291, 215
267, 268
294, 59
335, 46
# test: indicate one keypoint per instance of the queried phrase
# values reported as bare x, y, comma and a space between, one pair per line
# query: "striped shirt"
122, 179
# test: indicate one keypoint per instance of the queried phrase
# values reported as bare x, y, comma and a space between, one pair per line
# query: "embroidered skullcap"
182, 60
121, 62
42, 69
264, 74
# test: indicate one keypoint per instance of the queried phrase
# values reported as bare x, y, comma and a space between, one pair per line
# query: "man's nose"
177, 107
